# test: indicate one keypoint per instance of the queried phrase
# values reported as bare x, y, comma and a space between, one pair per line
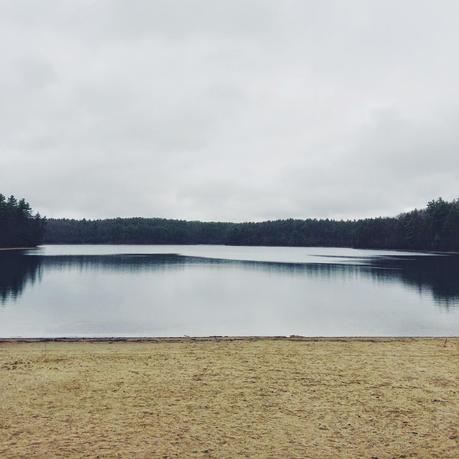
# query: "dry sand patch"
246, 398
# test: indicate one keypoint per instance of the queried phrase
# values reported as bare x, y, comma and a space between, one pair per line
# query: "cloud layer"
232, 110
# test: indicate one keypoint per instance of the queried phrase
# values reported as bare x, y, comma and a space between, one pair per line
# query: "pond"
132, 290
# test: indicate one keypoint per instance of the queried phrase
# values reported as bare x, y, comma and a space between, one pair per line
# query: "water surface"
220, 290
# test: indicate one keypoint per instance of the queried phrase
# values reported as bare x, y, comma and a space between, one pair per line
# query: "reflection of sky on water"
56, 291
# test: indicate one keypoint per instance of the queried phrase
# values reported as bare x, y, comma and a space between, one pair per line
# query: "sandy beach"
379, 398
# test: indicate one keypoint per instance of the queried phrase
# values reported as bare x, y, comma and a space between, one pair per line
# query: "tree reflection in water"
435, 274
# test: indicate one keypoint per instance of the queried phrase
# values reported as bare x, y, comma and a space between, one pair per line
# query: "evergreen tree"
434, 228
18, 226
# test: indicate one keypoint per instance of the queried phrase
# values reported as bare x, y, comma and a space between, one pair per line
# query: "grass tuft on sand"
224, 399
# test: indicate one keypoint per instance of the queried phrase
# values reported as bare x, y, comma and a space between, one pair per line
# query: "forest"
19, 227
436, 227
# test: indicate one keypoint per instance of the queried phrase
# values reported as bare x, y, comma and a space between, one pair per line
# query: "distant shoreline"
432, 228
204, 339
142, 244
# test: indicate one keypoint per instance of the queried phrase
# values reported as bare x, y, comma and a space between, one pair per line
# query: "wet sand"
279, 398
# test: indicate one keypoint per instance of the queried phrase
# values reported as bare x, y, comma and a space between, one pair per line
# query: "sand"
229, 399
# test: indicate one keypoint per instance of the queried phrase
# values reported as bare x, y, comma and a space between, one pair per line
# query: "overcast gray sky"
229, 110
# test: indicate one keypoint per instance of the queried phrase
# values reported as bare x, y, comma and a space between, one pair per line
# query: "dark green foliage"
19, 227
433, 228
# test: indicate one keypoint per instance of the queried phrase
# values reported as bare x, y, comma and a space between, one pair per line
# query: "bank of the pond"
230, 398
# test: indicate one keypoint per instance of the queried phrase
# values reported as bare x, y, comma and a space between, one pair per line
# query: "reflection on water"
16, 271
360, 277
437, 275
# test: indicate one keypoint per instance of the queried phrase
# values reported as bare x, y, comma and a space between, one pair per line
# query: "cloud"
228, 110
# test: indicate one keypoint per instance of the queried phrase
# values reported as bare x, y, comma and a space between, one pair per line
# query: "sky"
229, 110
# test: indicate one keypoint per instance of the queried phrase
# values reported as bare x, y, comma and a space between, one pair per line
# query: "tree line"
19, 227
436, 227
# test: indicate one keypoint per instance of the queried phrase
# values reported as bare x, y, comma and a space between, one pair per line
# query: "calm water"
219, 290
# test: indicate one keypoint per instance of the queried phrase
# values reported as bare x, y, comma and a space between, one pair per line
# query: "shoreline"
140, 244
223, 338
